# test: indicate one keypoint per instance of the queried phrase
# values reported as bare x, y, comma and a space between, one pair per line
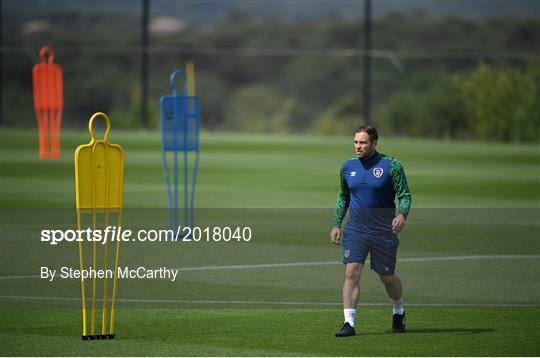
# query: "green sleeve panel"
399, 181
342, 202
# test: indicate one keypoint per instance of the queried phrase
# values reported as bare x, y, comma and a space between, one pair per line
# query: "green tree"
502, 102
341, 118
436, 111
258, 108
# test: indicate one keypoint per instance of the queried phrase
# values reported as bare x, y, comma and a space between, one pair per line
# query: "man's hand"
335, 235
398, 223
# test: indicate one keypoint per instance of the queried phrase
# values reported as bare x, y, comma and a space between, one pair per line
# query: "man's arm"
342, 204
399, 182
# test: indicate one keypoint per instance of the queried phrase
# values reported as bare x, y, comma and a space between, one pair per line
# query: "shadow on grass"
437, 330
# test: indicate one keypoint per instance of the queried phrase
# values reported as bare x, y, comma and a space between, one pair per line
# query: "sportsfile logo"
182, 233
109, 234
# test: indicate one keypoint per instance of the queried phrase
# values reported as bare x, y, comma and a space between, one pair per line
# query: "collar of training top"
371, 159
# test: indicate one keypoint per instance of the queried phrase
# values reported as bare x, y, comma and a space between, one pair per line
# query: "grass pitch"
257, 171
278, 332
469, 257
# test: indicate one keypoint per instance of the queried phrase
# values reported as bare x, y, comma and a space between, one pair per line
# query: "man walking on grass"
369, 184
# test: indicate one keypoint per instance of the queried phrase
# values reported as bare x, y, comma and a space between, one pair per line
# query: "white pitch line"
321, 263
242, 267
470, 257
324, 263
18, 277
286, 303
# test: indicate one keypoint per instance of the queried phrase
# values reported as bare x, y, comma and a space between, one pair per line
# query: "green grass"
277, 332
468, 198
258, 171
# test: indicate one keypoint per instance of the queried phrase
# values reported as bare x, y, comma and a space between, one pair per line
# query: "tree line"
438, 77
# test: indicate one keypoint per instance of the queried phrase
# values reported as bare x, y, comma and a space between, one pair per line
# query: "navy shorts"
382, 251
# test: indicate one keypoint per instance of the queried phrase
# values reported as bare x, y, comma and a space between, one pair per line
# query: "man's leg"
351, 292
351, 285
394, 288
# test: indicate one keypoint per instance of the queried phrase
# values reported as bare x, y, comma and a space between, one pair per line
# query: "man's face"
363, 147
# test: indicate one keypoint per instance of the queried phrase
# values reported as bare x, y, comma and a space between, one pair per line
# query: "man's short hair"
370, 130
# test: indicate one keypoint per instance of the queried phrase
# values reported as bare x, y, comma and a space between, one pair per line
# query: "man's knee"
388, 280
353, 271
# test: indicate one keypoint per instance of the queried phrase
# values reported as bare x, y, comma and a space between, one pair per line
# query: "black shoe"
346, 331
398, 324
